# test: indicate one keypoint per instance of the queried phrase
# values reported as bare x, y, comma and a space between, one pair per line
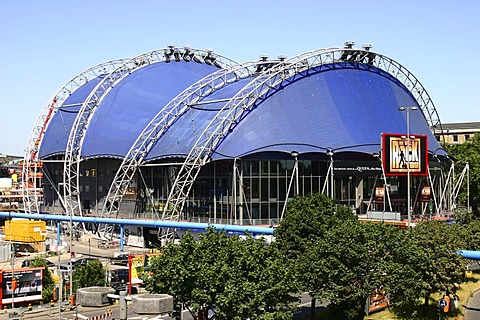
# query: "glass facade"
243, 191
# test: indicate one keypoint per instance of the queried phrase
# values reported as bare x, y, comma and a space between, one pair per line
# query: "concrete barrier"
152, 303
94, 296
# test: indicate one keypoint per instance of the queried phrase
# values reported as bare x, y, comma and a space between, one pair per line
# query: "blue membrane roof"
129, 106
342, 107
55, 138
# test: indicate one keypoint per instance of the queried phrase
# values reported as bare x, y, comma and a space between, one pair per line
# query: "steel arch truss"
161, 123
30, 162
268, 82
77, 134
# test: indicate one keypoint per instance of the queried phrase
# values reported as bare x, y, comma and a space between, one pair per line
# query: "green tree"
468, 152
306, 220
471, 234
402, 277
355, 259
234, 277
442, 269
89, 275
48, 284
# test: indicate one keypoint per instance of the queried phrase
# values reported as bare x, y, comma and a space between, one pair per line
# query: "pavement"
472, 308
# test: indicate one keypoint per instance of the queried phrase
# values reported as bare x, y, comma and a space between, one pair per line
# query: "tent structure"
196, 134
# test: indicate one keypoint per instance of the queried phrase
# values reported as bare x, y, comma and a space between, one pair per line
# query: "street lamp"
73, 194
407, 110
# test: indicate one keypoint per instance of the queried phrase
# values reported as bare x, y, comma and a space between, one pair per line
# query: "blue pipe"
143, 223
469, 254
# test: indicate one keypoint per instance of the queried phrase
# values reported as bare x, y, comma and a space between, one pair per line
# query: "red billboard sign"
402, 156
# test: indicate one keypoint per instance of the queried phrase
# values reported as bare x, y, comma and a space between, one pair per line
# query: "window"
455, 138
467, 136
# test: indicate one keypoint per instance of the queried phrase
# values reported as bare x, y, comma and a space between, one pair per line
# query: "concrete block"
94, 296
387, 215
152, 303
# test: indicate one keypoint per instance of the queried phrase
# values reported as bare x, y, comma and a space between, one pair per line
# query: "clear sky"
44, 44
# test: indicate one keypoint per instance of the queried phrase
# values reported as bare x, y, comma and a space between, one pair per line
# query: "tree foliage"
233, 277
89, 275
306, 220
48, 284
469, 152
355, 259
471, 235
340, 259
442, 269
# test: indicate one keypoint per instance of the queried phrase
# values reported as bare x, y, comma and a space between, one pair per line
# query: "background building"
459, 132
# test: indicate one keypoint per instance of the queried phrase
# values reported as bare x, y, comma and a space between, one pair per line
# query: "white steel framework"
269, 81
31, 161
77, 134
162, 122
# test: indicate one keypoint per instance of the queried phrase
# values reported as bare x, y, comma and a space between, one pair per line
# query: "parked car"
121, 259
119, 281
65, 267
23, 249
83, 262
119, 276
118, 287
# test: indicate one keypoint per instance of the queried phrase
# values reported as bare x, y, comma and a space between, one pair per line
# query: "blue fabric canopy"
129, 106
342, 108
55, 138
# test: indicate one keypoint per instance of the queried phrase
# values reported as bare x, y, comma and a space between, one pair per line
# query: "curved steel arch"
77, 134
269, 82
384, 63
163, 121
30, 161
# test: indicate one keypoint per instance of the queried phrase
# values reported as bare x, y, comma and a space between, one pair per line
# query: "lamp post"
407, 160
12, 285
73, 194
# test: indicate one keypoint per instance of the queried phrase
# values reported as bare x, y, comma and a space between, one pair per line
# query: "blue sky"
43, 44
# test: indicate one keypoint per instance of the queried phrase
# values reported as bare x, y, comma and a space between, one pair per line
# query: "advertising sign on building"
402, 156
425, 194
379, 193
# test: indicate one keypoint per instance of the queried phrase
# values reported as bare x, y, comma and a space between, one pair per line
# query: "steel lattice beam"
77, 134
31, 161
161, 123
269, 81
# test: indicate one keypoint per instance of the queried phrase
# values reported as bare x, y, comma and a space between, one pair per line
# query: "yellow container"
25, 230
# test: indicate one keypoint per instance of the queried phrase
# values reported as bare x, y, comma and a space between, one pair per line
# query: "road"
472, 309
